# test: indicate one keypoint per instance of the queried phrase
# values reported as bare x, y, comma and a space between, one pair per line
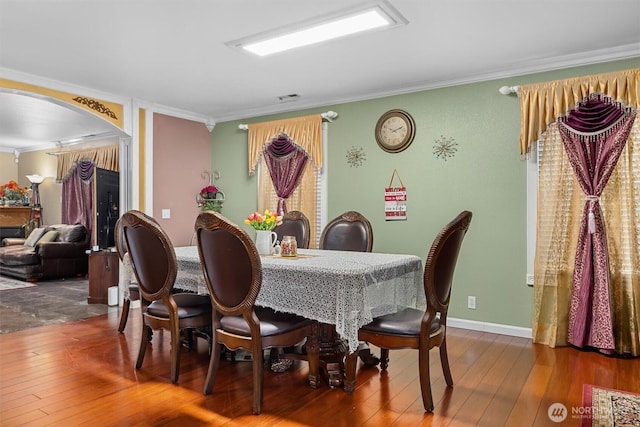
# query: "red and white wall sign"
395, 201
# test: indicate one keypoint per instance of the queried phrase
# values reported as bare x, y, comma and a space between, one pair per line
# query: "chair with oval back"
233, 274
350, 231
154, 264
132, 292
422, 329
295, 223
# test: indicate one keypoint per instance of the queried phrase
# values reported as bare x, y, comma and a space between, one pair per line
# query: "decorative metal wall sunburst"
356, 156
444, 147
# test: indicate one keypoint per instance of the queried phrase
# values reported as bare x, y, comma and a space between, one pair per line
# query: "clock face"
395, 131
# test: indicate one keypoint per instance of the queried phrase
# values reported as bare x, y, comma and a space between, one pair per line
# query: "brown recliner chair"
422, 329
233, 274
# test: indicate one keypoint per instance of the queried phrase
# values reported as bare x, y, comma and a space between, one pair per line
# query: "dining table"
345, 289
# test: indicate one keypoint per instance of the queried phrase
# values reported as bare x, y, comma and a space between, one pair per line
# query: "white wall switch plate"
166, 213
471, 302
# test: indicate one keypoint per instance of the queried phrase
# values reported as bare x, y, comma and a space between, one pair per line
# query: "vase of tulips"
264, 225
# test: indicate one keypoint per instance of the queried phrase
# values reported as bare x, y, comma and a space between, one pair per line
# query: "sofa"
51, 252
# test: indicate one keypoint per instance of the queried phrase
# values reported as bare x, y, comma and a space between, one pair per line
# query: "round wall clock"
395, 131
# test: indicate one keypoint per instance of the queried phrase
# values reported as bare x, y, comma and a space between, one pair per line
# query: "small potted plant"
209, 192
210, 198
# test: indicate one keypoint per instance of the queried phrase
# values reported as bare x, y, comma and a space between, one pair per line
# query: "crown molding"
629, 51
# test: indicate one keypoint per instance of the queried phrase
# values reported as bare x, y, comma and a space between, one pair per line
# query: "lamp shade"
35, 179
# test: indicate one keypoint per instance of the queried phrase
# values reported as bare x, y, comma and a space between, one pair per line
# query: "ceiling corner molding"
181, 114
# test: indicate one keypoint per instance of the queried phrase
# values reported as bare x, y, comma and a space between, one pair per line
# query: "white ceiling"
174, 53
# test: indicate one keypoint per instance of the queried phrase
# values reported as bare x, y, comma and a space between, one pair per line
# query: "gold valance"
104, 157
306, 131
542, 103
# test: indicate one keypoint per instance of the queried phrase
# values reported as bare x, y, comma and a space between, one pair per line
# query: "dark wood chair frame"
417, 329
349, 220
295, 223
134, 292
233, 274
155, 266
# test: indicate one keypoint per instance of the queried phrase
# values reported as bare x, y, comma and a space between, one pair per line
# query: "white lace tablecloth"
347, 289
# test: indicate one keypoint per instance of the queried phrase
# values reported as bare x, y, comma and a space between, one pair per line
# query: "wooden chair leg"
124, 316
214, 363
144, 340
425, 380
444, 361
384, 358
175, 352
257, 380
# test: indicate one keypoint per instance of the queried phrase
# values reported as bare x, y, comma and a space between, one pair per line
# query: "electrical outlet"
166, 213
530, 279
471, 302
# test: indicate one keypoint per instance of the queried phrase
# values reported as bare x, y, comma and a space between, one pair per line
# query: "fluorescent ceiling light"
342, 26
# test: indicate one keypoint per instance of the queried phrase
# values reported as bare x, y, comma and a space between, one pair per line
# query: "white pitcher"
265, 241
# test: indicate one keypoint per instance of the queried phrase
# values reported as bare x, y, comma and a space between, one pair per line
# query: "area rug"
605, 407
8, 283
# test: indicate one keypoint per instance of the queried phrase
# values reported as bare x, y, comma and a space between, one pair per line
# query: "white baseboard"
495, 328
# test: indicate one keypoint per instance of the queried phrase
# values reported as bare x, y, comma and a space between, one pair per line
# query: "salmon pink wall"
181, 152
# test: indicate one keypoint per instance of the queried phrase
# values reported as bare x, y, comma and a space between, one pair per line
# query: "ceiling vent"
289, 98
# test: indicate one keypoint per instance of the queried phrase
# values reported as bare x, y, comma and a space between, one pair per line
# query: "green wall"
486, 176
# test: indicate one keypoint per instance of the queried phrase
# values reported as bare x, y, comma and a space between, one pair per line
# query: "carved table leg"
332, 351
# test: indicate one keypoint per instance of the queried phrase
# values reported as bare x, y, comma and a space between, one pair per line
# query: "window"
309, 197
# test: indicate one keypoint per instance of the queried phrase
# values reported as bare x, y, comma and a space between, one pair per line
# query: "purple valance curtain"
286, 162
594, 135
77, 195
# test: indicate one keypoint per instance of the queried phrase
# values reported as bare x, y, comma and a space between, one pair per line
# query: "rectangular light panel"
355, 23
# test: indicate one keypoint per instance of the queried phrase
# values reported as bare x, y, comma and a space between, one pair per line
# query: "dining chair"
132, 291
295, 223
350, 231
233, 275
155, 267
422, 329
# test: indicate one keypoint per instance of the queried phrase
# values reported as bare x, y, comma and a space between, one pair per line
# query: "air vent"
289, 98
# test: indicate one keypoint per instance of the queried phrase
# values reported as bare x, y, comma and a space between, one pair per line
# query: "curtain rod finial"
508, 90
329, 115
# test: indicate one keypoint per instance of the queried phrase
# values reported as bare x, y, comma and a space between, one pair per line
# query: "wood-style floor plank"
82, 373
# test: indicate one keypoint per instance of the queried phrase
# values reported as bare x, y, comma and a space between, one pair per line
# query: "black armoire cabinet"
107, 184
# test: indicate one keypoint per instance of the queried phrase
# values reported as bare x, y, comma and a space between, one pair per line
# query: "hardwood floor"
82, 373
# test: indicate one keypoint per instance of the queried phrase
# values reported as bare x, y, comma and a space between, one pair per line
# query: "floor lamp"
36, 210
35, 181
